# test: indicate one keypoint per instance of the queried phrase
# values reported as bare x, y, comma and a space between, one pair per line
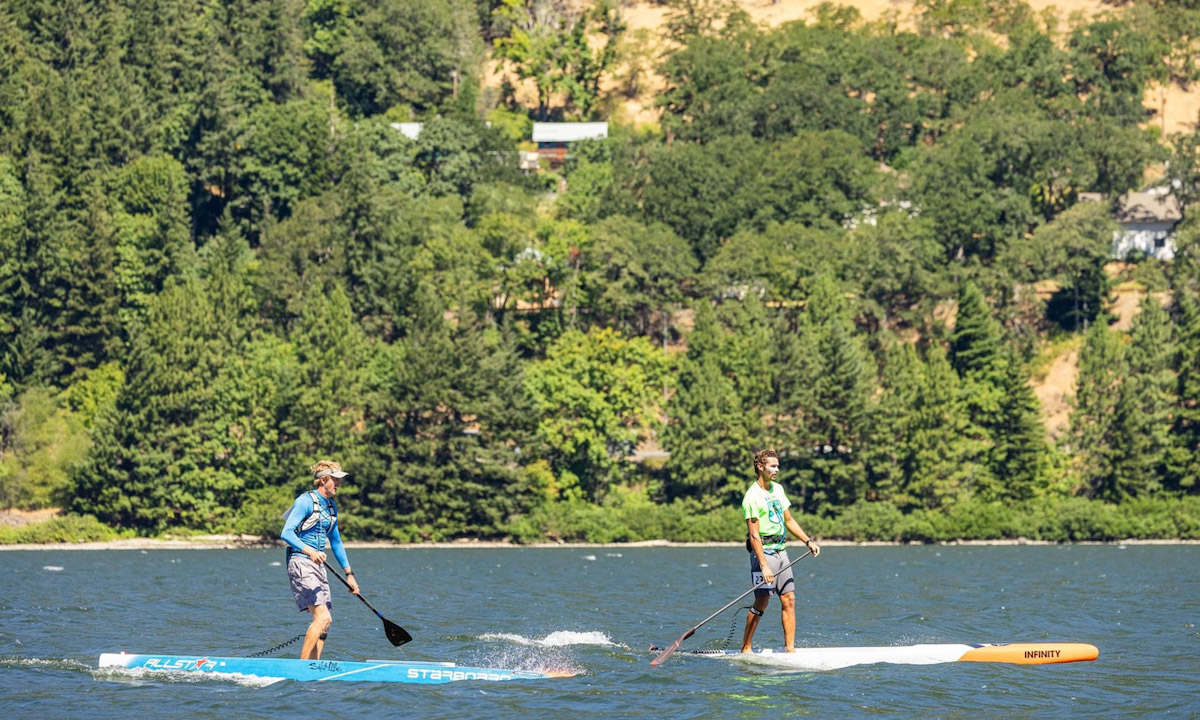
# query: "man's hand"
812, 545
315, 555
352, 583
768, 576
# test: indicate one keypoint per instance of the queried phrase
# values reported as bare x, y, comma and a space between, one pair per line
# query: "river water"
597, 611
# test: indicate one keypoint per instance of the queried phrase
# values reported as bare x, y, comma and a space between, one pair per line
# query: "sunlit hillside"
1175, 108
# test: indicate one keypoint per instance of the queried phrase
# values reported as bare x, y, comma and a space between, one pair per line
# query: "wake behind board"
833, 658
277, 669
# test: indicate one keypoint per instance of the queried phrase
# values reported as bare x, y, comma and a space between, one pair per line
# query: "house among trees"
1148, 219
554, 139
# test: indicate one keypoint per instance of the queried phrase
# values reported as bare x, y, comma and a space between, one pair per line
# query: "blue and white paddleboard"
276, 669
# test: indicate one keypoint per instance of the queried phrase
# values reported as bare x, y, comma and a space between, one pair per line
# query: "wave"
559, 638
141, 675
14, 663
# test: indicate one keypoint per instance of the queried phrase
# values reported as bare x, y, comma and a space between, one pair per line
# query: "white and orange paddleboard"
833, 658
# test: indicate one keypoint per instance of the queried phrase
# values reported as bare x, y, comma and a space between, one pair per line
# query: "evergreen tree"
708, 437
976, 345
833, 466
712, 426
1102, 365
900, 384
14, 294
445, 435
1184, 462
943, 452
1019, 452
1152, 388
326, 417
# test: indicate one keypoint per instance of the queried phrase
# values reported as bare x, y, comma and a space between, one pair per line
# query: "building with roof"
554, 139
1148, 219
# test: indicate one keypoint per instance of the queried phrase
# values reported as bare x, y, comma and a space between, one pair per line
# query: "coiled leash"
278, 647
733, 625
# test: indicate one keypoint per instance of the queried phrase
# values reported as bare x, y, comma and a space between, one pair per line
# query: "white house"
1148, 219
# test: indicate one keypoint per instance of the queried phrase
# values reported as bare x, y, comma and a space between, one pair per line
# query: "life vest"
314, 517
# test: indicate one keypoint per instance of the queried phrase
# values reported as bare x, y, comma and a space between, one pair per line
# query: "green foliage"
40, 442
387, 53
63, 529
714, 420
706, 193
220, 262
1184, 455
975, 344
626, 515
564, 50
1019, 456
1095, 430
596, 395
1074, 249
631, 276
447, 428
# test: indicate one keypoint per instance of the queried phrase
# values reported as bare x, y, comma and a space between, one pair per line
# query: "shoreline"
246, 542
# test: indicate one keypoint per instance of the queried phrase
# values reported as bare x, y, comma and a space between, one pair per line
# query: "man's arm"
300, 510
756, 545
339, 552
798, 531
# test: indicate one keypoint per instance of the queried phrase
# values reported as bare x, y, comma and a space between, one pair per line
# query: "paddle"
395, 634
675, 645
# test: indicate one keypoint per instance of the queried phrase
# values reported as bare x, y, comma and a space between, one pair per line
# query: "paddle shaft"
675, 645
347, 584
395, 634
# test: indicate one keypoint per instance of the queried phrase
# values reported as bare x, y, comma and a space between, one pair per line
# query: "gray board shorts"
784, 582
310, 584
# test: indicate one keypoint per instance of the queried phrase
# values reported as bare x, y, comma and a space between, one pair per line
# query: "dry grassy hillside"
1175, 109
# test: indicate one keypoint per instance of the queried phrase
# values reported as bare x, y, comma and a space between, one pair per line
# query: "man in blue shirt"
311, 525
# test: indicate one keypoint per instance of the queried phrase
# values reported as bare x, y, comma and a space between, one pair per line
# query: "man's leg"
788, 600
760, 604
314, 639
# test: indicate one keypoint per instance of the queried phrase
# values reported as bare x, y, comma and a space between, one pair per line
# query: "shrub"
862, 521
64, 529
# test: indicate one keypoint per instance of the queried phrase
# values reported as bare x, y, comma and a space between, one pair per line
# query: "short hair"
323, 465
760, 459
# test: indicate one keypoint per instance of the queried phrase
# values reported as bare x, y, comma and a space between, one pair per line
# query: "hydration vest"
314, 517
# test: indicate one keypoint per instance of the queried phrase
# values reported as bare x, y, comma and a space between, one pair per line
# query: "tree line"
219, 262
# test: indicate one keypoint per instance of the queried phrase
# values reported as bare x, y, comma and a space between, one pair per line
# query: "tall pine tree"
1098, 387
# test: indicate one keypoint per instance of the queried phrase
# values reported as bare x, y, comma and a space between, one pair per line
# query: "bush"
65, 529
262, 512
863, 521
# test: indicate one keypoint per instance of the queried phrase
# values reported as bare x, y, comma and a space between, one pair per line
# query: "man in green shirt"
768, 519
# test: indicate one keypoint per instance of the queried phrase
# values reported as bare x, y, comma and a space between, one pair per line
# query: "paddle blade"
671, 650
665, 654
396, 635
